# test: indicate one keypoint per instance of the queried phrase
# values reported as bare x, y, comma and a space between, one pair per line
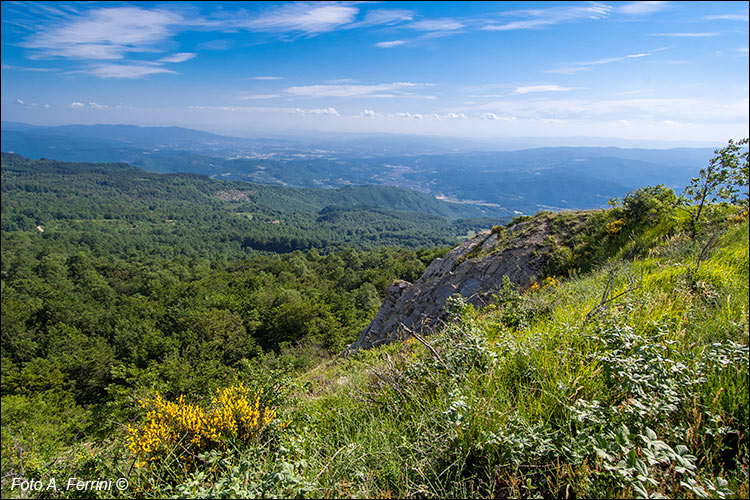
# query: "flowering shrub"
183, 430
614, 227
548, 281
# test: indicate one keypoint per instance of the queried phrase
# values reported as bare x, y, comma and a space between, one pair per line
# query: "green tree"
725, 179
647, 204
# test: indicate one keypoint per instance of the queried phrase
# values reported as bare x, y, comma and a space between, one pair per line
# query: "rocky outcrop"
474, 269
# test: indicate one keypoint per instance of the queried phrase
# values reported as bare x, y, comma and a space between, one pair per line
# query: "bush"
648, 204
175, 433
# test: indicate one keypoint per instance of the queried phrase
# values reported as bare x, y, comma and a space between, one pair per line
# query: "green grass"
649, 396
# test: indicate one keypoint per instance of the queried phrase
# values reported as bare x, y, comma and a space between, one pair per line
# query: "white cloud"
249, 97
266, 78
683, 110
674, 123
20, 101
541, 88
111, 34
178, 58
392, 43
586, 65
302, 17
538, 18
380, 17
104, 34
96, 106
381, 90
443, 24
125, 70
215, 45
684, 35
368, 113
305, 112
325, 111
493, 116
729, 17
456, 116
26, 68
75, 104
639, 8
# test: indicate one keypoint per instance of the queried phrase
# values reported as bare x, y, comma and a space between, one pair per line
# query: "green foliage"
724, 179
648, 204
119, 210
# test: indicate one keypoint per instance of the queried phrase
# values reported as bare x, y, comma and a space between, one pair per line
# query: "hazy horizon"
505, 143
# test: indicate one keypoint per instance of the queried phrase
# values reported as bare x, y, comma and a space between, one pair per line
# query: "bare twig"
423, 341
350, 445
599, 307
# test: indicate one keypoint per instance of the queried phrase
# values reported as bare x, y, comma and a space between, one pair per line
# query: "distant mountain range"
491, 182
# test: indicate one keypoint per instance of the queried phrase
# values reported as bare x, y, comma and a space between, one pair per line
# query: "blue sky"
633, 70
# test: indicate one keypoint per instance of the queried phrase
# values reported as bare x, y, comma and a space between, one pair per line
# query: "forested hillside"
120, 210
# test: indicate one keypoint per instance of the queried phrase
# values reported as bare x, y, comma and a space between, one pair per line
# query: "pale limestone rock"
474, 269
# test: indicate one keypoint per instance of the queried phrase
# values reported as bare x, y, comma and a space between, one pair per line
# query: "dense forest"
164, 329
120, 210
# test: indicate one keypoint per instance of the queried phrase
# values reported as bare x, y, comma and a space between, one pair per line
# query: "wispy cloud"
104, 34
266, 77
22, 103
495, 117
383, 17
684, 35
540, 18
444, 24
391, 43
249, 97
178, 58
26, 68
381, 90
103, 39
542, 88
641, 8
743, 16
656, 108
586, 65
128, 71
324, 111
302, 17
216, 45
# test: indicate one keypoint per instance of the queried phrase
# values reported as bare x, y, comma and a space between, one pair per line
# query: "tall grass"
627, 381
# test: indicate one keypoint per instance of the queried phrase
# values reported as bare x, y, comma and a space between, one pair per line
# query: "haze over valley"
517, 182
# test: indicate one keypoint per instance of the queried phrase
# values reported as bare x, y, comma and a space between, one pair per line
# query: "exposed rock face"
474, 269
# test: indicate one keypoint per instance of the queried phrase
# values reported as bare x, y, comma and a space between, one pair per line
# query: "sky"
631, 70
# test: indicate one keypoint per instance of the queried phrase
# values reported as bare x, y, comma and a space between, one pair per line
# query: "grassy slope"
626, 403
649, 396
